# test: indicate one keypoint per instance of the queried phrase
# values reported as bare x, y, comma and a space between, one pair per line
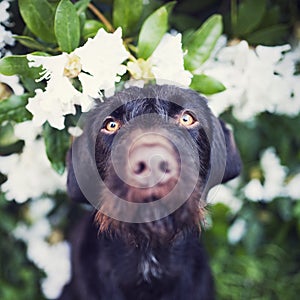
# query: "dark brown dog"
146, 160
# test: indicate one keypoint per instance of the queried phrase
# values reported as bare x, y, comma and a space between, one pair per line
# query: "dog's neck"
153, 258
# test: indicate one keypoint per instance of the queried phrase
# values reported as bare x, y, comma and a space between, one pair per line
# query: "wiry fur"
161, 259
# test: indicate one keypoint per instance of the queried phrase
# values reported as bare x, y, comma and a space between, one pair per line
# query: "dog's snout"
152, 161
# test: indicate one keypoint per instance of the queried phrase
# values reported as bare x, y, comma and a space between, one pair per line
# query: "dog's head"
147, 159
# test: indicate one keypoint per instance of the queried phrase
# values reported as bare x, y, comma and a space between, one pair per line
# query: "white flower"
236, 231
102, 57
286, 69
29, 174
26, 131
58, 100
274, 175
97, 64
256, 80
38, 230
5, 35
254, 190
4, 15
293, 187
167, 61
38, 209
140, 70
54, 259
5, 38
165, 65
40, 227
225, 194
75, 131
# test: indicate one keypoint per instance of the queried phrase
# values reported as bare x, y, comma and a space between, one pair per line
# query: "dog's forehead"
143, 106
163, 100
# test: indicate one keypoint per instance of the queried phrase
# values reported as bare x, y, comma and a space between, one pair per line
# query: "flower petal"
167, 61
54, 103
102, 57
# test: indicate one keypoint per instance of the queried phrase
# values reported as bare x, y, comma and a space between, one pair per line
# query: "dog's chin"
160, 231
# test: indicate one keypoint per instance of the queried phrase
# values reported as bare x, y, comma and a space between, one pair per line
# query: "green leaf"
57, 144
18, 65
206, 85
13, 109
183, 22
200, 44
249, 15
39, 17
125, 16
7, 136
67, 26
82, 20
81, 6
91, 28
31, 84
269, 36
31, 43
153, 29
253, 238
271, 17
186, 36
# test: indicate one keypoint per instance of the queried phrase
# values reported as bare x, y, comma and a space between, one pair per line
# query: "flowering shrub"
60, 57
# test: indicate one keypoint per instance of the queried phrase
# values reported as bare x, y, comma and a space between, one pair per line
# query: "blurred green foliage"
19, 278
265, 263
267, 22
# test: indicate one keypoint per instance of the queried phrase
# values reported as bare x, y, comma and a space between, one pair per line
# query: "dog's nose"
152, 161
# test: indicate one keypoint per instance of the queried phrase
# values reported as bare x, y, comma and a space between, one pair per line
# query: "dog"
146, 161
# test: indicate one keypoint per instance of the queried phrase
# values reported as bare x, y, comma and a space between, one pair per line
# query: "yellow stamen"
73, 67
140, 69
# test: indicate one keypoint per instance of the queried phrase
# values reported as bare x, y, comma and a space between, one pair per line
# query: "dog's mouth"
150, 194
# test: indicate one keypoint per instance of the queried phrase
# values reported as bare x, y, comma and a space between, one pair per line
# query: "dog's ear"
83, 181
73, 189
233, 160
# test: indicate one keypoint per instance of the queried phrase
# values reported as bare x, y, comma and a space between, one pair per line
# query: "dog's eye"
111, 126
187, 119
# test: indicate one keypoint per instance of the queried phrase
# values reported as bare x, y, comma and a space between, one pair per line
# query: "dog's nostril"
152, 163
139, 168
164, 167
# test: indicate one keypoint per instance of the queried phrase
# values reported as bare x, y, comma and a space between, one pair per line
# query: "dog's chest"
149, 267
